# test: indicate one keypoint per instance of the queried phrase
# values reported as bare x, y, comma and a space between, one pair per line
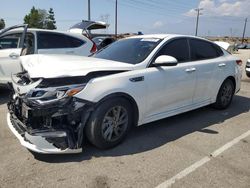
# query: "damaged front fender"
45, 114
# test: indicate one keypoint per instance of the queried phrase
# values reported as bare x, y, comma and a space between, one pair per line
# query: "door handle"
190, 70
13, 55
222, 65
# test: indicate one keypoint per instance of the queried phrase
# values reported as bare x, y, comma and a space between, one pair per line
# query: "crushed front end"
48, 119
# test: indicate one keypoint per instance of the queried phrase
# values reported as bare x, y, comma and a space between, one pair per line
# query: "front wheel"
109, 123
225, 95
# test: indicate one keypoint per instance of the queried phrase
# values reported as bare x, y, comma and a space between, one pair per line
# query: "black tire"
95, 129
248, 74
225, 95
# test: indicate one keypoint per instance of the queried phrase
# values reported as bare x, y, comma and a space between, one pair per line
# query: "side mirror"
165, 60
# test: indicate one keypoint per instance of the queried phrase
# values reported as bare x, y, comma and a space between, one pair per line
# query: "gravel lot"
150, 155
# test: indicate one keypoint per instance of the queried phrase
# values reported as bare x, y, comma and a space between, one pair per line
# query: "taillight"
94, 48
239, 62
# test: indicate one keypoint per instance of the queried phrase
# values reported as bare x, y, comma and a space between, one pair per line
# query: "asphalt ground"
169, 152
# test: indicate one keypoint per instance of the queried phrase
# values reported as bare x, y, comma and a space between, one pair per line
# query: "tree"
2, 24
50, 20
36, 18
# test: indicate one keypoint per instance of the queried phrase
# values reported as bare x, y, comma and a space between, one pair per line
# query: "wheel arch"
232, 79
129, 98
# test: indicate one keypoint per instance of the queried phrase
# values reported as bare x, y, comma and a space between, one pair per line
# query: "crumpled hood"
53, 66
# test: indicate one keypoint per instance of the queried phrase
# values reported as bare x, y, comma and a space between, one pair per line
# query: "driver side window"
178, 48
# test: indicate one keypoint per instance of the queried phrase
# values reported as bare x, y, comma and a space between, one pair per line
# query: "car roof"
35, 29
163, 36
50, 31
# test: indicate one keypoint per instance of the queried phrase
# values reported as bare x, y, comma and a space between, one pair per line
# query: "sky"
219, 17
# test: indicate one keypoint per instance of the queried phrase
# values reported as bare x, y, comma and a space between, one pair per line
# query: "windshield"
132, 51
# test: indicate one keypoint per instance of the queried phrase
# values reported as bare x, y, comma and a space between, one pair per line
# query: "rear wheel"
225, 95
109, 123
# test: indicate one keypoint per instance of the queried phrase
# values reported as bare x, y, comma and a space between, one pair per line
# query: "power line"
143, 8
151, 5
169, 3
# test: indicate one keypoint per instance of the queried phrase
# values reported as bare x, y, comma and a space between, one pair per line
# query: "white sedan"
61, 99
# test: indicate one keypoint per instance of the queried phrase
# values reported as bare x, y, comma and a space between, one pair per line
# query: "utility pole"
244, 31
89, 18
116, 18
197, 19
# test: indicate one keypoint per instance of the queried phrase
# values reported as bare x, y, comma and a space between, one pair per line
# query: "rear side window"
55, 40
218, 50
177, 48
203, 50
74, 42
10, 41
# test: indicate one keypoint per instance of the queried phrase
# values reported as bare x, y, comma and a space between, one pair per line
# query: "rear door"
205, 58
170, 89
57, 43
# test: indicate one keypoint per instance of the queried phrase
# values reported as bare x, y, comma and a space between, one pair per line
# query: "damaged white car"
61, 99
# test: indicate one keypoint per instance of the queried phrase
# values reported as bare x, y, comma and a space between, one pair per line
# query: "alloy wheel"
115, 123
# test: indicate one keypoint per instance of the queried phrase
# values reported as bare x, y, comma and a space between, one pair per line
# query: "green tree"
36, 18
50, 20
2, 24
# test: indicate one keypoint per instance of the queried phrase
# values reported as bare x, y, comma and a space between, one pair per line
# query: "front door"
9, 56
170, 89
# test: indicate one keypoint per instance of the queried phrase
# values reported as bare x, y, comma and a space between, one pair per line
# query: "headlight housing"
51, 95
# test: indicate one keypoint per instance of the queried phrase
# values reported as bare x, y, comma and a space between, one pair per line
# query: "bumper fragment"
37, 142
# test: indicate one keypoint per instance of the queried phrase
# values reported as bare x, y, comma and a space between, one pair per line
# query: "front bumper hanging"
64, 132
37, 143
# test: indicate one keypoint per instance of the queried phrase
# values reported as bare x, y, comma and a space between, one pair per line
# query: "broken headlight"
50, 95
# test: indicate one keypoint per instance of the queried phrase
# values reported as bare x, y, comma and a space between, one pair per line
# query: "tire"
248, 74
225, 95
105, 129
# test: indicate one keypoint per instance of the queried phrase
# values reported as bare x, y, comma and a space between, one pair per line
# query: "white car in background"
61, 99
19, 40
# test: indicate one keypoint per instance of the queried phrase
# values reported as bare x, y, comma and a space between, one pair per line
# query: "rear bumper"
36, 143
